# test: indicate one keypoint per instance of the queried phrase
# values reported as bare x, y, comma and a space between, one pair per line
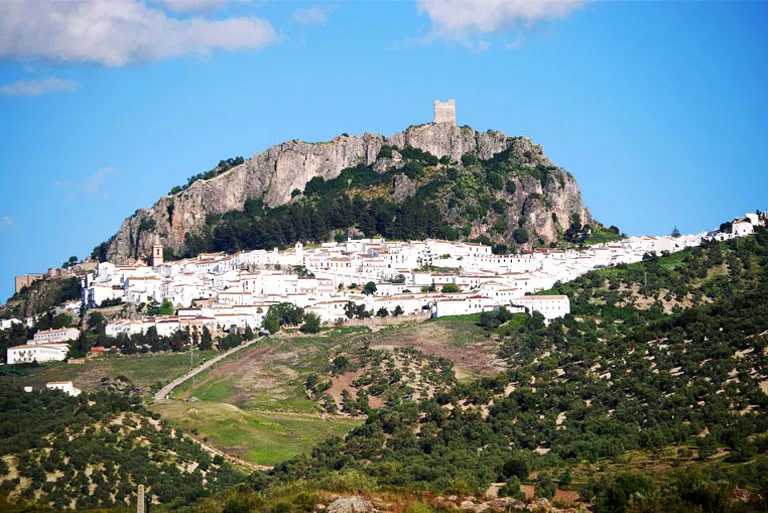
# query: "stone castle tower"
445, 112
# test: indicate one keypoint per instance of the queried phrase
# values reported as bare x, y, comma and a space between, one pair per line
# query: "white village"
226, 293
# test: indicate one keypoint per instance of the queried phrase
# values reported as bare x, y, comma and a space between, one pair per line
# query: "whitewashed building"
56, 335
551, 307
39, 353
6, 324
65, 386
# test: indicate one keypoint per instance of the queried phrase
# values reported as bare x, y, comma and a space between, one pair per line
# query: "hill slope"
476, 182
619, 375
92, 452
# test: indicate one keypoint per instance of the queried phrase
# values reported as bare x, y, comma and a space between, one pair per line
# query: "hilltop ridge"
282, 172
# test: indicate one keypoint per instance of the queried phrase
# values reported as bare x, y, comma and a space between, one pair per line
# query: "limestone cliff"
274, 174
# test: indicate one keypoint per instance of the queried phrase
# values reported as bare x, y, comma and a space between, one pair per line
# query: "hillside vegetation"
616, 376
285, 395
89, 452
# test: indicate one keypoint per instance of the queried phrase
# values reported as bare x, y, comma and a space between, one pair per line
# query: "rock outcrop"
354, 504
402, 188
276, 173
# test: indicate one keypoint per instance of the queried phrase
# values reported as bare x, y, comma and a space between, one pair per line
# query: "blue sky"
658, 108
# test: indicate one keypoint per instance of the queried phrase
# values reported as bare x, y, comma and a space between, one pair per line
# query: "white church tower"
157, 253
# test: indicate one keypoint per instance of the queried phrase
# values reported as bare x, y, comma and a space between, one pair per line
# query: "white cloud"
191, 5
311, 15
38, 87
116, 32
516, 44
463, 20
94, 184
7, 222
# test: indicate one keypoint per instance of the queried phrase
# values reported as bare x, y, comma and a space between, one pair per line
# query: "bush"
545, 487
521, 236
449, 288
516, 467
413, 169
311, 323
616, 496
469, 160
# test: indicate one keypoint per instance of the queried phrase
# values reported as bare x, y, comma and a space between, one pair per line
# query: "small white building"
742, 228
462, 305
65, 386
56, 335
6, 324
551, 307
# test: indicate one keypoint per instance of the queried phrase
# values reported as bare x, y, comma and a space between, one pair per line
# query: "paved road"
162, 394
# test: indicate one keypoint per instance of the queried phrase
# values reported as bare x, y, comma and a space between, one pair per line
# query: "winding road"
163, 393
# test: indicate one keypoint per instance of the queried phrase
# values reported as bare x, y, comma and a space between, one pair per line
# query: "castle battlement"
445, 112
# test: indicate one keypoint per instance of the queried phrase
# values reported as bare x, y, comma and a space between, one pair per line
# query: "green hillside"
64, 452
617, 376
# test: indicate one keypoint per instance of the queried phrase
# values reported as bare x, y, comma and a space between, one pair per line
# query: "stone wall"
25, 281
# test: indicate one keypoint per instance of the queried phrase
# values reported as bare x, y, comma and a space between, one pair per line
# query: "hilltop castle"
445, 112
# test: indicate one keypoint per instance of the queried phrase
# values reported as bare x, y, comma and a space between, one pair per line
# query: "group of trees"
314, 220
577, 233
221, 167
287, 314
358, 311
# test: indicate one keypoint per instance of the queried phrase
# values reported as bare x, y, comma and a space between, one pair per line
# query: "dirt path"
163, 393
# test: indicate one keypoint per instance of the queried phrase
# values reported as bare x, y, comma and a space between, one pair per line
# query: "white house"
551, 307
742, 228
463, 305
6, 324
65, 386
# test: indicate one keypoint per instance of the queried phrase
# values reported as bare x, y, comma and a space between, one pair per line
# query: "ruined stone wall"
25, 281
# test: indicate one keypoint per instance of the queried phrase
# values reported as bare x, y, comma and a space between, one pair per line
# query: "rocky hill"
482, 183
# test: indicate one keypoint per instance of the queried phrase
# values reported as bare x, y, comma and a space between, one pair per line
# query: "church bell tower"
157, 254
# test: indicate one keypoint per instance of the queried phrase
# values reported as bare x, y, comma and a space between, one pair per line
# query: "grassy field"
143, 370
264, 439
602, 237
457, 338
270, 376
